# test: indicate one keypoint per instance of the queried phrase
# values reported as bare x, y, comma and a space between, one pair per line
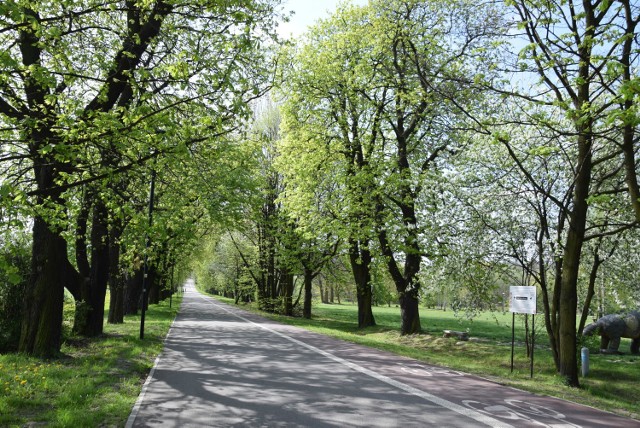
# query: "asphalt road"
224, 367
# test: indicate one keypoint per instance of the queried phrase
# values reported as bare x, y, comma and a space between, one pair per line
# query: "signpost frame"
522, 300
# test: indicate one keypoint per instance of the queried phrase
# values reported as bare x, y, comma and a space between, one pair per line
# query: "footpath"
224, 367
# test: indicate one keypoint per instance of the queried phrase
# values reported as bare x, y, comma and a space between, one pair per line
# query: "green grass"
94, 383
611, 385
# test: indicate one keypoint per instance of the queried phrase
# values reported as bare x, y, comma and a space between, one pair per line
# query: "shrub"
15, 261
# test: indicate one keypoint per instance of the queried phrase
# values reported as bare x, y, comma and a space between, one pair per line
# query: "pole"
513, 336
171, 293
584, 356
533, 335
145, 269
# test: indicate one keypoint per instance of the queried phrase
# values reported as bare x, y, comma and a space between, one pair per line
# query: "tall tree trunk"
629, 129
406, 281
116, 279
82, 260
132, 292
409, 313
571, 265
323, 296
308, 284
286, 279
90, 310
82, 255
153, 284
591, 290
42, 313
550, 304
360, 258
99, 267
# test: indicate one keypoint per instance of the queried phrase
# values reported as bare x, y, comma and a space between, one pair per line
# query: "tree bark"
89, 319
42, 313
591, 290
571, 265
286, 280
153, 286
360, 258
116, 279
308, 287
132, 293
550, 304
406, 282
323, 292
409, 313
629, 104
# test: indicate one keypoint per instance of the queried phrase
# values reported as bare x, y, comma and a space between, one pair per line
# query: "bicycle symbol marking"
430, 371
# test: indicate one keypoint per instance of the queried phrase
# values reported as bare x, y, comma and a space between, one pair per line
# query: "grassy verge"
94, 383
612, 383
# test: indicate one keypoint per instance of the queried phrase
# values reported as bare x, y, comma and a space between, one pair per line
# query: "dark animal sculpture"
613, 327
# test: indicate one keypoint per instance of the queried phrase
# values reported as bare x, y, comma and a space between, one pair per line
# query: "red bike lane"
450, 388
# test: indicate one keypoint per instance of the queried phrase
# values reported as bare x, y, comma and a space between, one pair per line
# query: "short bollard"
584, 353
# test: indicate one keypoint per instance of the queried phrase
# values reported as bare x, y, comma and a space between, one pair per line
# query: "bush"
15, 261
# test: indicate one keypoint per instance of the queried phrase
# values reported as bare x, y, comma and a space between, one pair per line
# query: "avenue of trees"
409, 152
96, 98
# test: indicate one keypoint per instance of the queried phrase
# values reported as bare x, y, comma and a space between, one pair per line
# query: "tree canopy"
435, 151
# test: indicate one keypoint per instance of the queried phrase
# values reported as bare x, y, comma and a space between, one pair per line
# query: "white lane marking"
470, 413
136, 407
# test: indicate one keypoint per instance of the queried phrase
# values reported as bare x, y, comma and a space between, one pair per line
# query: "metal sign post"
522, 300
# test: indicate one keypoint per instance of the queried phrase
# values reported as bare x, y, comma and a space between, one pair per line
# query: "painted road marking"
517, 410
468, 412
427, 371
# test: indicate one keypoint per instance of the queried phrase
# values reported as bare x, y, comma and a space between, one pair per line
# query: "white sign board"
523, 299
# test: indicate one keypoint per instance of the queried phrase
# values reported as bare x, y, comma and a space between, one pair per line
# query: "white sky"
307, 12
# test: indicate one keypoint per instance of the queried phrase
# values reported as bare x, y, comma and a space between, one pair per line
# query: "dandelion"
23, 382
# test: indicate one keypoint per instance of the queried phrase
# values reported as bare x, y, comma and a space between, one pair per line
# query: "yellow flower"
23, 382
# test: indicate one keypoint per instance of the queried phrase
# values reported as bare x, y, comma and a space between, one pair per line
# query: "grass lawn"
612, 383
94, 383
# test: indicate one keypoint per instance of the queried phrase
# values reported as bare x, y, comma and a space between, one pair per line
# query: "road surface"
224, 367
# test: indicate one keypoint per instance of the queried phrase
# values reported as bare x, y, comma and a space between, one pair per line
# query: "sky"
307, 12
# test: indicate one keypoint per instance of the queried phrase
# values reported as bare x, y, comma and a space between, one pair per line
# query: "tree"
381, 87
582, 54
261, 220
313, 255
76, 75
324, 150
427, 56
